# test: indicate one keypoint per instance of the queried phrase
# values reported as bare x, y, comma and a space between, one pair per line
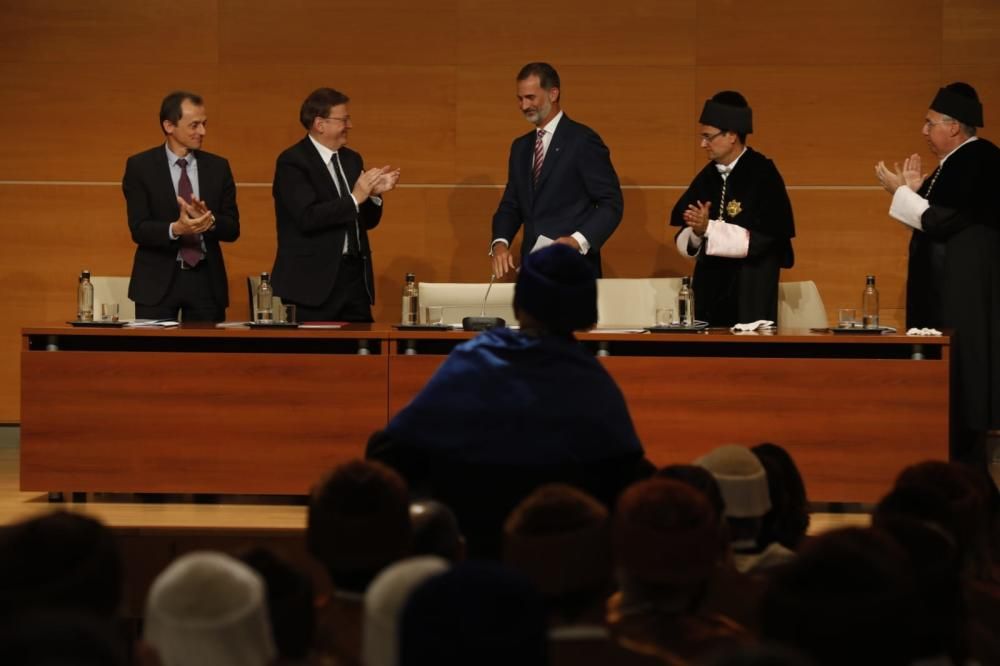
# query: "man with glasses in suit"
325, 202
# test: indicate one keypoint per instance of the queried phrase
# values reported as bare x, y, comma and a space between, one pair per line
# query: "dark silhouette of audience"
358, 523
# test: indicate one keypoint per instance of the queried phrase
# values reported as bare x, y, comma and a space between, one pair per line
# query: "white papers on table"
152, 323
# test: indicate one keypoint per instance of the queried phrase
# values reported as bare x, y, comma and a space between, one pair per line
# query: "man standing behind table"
735, 219
953, 277
560, 181
325, 202
181, 202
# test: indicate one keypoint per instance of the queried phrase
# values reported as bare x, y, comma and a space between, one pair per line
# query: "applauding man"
181, 203
325, 202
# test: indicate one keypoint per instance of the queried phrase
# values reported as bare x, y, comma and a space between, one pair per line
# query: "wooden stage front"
222, 410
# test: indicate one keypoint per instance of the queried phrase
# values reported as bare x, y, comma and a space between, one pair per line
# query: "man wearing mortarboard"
953, 278
735, 219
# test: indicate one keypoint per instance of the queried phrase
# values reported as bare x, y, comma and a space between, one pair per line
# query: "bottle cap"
265, 276
685, 280
410, 277
869, 279
84, 274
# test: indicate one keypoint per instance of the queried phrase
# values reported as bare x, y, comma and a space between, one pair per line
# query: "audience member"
559, 537
384, 602
359, 523
759, 655
208, 609
849, 598
60, 560
290, 605
956, 498
666, 547
60, 638
436, 531
743, 483
510, 410
475, 613
729, 592
788, 520
934, 557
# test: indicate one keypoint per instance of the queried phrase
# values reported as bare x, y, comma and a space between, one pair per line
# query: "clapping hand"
696, 217
912, 177
386, 180
891, 179
195, 218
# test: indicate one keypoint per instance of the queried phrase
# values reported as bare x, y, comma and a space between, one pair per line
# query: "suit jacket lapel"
161, 171
320, 169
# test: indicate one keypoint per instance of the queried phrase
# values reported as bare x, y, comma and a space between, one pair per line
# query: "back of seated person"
436, 530
560, 538
743, 483
474, 613
290, 604
666, 546
208, 609
358, 523
61, 637
788, 520
59, 560
384, 601
849, 598
730, 592
510, 410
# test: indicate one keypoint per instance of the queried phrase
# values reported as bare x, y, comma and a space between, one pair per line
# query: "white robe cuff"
727, 240
686, 236
582, 240
908, 207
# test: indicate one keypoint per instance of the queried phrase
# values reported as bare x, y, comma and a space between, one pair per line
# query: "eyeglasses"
343, 119
708, 138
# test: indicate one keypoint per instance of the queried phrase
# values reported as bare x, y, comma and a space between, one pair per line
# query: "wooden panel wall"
835, 87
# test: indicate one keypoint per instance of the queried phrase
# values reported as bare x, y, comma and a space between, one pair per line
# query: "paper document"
152, 323
543, 241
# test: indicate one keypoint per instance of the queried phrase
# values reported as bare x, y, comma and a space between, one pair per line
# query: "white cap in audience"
384, 601
209, 609
742, 480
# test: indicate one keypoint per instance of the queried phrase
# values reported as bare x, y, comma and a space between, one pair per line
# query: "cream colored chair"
112, 289
252, 282
800, 305
465, 299
632, 302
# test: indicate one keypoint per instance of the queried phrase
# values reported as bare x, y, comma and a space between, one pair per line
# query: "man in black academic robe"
953, 280
736, 220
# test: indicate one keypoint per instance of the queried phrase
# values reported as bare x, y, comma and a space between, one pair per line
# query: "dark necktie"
536, 165
353, 239
191, 252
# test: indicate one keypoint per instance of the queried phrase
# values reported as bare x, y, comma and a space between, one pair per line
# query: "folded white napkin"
753, 326
923, 331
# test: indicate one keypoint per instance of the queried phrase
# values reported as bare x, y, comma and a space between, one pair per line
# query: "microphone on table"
482, 322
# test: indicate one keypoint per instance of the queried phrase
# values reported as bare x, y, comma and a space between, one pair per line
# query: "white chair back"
465, 299
800, 305
112, 289
632, 302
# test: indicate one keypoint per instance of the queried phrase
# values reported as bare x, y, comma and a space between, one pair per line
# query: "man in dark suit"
181, 203
560, 182
325, 202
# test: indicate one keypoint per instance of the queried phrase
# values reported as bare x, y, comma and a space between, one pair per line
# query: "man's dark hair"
60, 560
732, 98
170, 108
358, 522
548, 77
319, 103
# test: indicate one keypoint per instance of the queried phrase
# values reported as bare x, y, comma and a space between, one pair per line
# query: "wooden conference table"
200, 409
